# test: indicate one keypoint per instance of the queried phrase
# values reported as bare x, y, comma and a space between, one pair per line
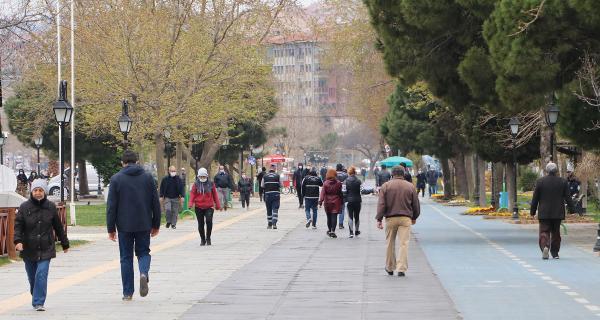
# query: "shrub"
527, 180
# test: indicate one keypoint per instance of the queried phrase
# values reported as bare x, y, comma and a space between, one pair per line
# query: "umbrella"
395, 161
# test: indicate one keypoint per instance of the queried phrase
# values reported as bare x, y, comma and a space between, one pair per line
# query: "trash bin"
503, 200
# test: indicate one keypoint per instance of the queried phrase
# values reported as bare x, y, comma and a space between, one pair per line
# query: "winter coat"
204, 196
398, 198
299, 176
34, 224
384, 176
260, 177
549, 198
172, 187
223, 180
310, 187
432, 177
331, 196
353, 189
245, 186
132, 204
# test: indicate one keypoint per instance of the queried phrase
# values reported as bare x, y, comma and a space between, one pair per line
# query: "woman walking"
331, 196
245, 189
354, 200
35, 222
22, 183
204, 199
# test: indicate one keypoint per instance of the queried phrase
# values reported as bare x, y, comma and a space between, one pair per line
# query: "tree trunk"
211, 147
462, 183
160, 162
481, 168
470, 171
84, 188
510, 175
562, 164
446, 178
498, 179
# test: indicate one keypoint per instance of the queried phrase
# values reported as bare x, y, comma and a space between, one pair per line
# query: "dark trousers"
300, 195
261, 193
422, 190
331, 221
205, 216
128, 241
353, 216
550, 235
272, 204
245, 198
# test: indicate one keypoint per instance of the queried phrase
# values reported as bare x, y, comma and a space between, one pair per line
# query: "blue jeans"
432, 189
308, 205
37, 274
342, 212
272, 203
127, 242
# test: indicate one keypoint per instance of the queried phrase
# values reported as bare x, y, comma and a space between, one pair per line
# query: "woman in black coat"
34, 223
354, 200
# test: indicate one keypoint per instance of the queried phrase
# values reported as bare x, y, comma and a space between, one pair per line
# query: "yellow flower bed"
438, 196
476, 211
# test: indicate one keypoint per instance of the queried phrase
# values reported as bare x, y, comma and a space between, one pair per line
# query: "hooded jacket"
204, 195
132, 204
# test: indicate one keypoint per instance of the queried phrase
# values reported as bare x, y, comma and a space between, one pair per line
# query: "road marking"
524, 264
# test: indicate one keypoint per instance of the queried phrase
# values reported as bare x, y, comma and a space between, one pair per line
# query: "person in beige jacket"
399, 204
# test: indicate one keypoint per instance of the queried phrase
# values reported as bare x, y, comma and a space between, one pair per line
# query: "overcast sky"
304, 2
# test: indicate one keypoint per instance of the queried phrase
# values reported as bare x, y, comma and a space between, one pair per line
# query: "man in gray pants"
171, 195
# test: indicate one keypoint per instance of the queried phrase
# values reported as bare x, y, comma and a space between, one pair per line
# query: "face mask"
203, 179
222, 171
300, 167
173, 174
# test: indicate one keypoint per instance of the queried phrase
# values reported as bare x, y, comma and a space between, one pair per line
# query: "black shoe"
143, 285
208, 242
357, 233
168, 225
308, 222
401, 274
329, 233
333, 235
202, 242
545, 254
341, 226
351, 234
270, 226
174, 227
555, 257
127, 298
274, 226
391, 273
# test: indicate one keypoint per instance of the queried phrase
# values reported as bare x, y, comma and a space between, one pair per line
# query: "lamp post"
2, 141
62, 113
514, 130
38, 144
167, 135
125, 123
196, 137
551, 115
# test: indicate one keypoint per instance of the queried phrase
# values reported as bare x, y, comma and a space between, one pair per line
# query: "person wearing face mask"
35, 223
22, 183
224, 184
245, 189
204, 199
171, 196
299, 175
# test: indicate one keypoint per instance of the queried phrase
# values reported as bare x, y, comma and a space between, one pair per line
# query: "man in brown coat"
399, 204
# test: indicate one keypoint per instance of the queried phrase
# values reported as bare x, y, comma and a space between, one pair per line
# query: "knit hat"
202, 172
40, 183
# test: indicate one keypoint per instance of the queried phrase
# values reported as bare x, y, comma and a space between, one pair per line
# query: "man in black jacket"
310, 190
549, 198
171, 195
407, 175
259, 177
224, 184
133, 209
34, 223
299, 175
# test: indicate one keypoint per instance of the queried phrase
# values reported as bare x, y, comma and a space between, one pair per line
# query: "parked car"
94, 182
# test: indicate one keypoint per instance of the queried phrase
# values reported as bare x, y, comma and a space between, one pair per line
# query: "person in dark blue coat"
133, 210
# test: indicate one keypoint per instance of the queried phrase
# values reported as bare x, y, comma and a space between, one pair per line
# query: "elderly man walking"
399, 204
133, 209
549, 198
172, 194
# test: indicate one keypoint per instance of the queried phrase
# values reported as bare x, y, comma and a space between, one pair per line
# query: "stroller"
578, 203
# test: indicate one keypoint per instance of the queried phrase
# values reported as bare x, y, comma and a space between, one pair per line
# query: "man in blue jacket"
133, 209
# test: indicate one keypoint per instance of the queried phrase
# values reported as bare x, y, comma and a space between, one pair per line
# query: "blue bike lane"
493, 270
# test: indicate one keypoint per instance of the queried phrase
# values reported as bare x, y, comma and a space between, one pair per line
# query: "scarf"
203, 187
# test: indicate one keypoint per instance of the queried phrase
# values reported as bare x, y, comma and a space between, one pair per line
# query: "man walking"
172, 194
323, 173
245, 189
272, 185
310, 190
549, 198
224, 184
133, 209
299, 175
341, 177
432, 177
399, 204
384, 176
259, 177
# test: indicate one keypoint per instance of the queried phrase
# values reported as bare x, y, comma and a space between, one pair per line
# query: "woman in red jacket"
331, 195
204, 199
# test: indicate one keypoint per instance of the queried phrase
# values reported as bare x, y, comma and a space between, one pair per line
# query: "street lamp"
514, 130
2, 141
38, 144
167, 135
62, 113
196, 137
125, 123
551, 115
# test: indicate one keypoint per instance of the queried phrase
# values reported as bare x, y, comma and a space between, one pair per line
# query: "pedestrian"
332, 198
384, 175
432, 177
224, 185
549, 198
245, 189
421, 183
299, 175
272, 183
35, 223
574, 184
133, 210
204, 199
363, 172
172, 194
32, 177
376, 176
407, 175
399, 204
323, 173
259, 177
22, 183
354, 200
310, 189
341, 177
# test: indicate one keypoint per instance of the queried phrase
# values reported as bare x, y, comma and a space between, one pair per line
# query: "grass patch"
72, 244
4, 261
94, 215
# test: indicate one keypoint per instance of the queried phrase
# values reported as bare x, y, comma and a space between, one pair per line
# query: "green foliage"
329, 141
107, 165
577, 118
527, 179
